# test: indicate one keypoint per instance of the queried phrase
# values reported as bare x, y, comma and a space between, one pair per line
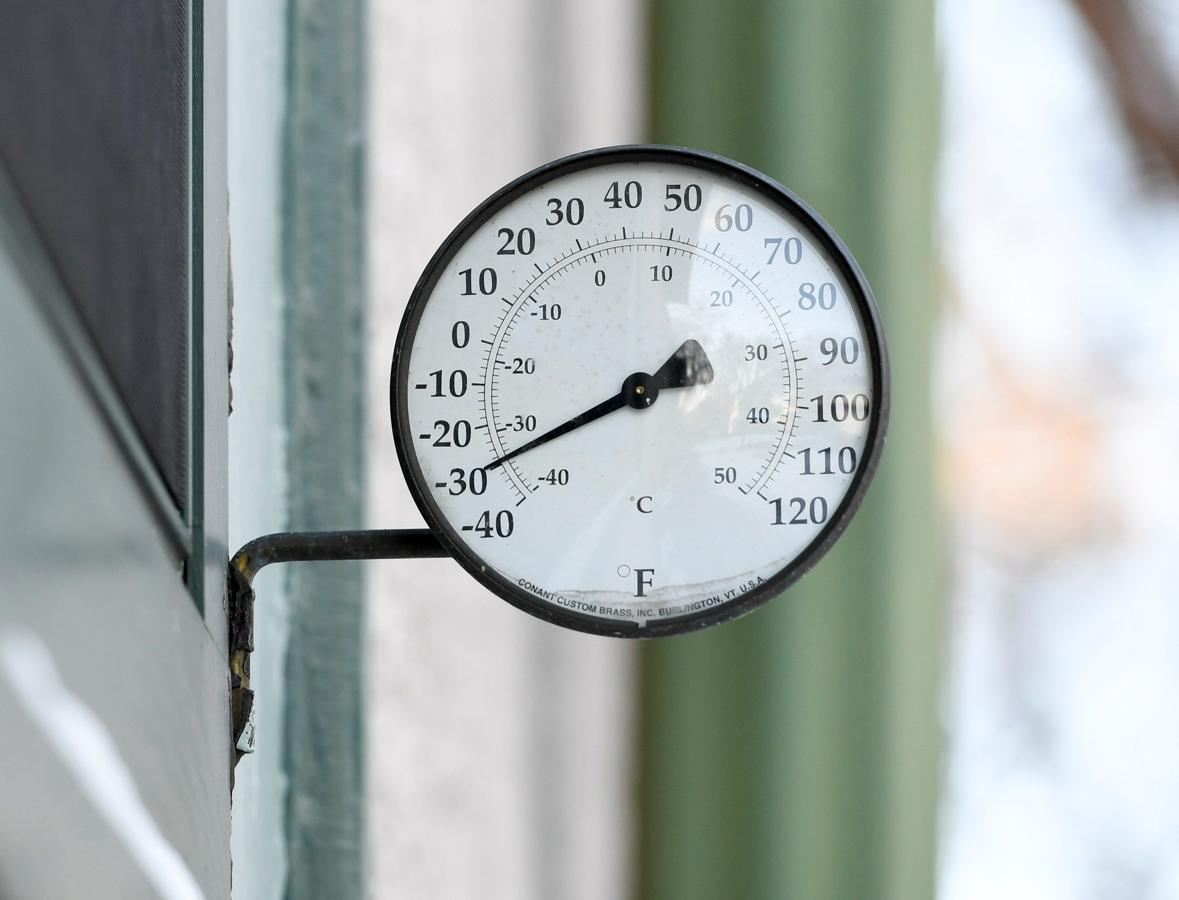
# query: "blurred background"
971, 696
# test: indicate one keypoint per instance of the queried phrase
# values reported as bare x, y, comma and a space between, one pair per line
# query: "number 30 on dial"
640, 390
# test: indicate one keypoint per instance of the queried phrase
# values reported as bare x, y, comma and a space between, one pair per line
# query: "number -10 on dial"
640, 390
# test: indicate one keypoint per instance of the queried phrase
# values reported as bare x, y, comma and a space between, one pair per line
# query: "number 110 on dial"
640, 390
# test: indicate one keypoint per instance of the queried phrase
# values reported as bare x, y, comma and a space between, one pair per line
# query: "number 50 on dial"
640, 390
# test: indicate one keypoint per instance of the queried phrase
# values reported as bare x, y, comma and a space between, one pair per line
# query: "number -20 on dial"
639, 390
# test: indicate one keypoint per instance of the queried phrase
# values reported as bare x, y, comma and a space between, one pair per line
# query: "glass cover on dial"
639, 390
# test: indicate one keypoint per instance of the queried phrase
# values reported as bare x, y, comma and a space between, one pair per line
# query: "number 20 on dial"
640, 390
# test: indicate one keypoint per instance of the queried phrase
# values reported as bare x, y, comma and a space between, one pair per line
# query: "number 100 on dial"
640, 390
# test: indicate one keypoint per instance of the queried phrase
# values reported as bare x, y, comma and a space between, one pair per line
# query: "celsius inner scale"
639, 390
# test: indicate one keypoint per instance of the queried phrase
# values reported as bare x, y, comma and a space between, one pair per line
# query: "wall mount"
306, 546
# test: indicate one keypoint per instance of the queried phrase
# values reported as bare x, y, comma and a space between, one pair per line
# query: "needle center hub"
640, 390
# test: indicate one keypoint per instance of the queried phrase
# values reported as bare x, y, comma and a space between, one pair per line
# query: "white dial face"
635, 392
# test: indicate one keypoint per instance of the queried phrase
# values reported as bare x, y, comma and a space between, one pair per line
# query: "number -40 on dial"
639, 390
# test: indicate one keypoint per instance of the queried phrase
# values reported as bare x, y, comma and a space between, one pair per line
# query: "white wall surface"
500, 749
257, 430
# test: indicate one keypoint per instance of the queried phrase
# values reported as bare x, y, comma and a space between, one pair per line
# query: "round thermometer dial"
639, 390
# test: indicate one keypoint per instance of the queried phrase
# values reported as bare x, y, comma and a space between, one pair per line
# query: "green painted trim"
90, 574
794, 753
36, 267
323, 256
198, 536
209, 313
194, 483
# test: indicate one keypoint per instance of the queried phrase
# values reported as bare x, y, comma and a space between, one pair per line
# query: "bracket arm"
299, 546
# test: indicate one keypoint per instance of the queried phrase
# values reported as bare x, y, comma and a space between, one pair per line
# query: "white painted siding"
257, 429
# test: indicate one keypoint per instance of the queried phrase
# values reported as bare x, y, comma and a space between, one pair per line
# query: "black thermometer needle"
687, 367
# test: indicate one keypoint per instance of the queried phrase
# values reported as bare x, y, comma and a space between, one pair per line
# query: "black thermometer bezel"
774, 194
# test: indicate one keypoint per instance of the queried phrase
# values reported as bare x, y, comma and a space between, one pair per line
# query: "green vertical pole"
323, 261
794, 753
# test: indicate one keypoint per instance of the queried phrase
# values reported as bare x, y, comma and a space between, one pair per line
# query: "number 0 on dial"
640, 390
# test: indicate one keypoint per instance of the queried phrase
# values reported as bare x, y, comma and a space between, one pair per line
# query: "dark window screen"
93, 130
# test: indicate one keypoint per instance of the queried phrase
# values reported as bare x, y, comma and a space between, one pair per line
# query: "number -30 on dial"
639, 390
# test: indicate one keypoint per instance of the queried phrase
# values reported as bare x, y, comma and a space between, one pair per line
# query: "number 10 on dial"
640, 390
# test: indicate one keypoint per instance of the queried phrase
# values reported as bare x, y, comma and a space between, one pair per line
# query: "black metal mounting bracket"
309, 546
